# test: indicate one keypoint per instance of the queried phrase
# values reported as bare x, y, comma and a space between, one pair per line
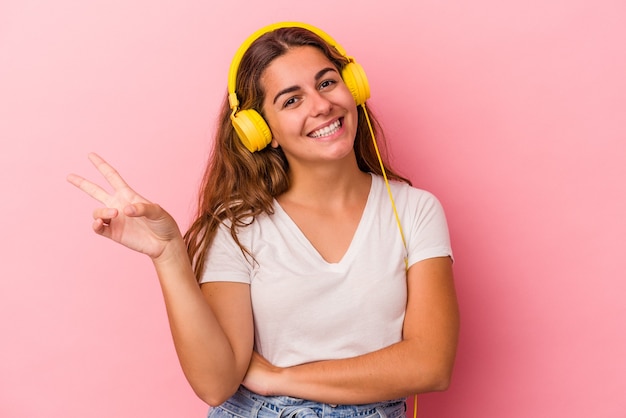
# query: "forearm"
421, 362
208, 359
394, 372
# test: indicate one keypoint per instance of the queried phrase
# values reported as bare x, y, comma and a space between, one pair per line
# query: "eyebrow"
291, 89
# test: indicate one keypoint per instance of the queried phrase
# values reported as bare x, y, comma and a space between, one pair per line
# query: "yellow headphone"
250, 126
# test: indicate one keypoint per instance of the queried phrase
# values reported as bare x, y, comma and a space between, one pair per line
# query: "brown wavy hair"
239, 185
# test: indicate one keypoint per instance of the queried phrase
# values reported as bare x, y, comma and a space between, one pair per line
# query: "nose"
320, 104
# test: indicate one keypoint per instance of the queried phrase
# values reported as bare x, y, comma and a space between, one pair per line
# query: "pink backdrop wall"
513, 113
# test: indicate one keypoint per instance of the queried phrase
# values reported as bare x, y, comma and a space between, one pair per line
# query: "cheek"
350, 104
348, 98
354, 116
280, 128
287, 123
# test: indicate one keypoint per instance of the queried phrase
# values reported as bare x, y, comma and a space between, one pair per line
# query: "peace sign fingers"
122, 193
126, 217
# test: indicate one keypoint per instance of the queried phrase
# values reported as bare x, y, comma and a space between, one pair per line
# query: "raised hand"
127, 217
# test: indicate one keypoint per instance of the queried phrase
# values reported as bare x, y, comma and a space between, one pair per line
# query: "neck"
327, 185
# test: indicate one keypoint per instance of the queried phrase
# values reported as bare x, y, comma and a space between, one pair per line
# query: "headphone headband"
234, 66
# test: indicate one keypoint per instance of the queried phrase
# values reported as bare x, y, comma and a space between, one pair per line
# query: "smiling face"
309, 109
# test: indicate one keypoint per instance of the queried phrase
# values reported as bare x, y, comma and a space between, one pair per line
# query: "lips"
327, 130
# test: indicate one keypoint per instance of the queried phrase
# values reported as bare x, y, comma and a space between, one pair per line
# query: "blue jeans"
246, 404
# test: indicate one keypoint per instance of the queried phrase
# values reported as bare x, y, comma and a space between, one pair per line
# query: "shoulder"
404, 193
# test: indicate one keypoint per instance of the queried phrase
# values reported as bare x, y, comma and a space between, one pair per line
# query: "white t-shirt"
306, 309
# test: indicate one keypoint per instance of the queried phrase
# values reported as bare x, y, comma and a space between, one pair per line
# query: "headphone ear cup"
251, 129
356, 81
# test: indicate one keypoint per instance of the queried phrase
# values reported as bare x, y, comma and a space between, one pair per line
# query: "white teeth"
328, 130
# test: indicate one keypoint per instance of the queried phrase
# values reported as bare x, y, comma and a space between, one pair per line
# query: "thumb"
149, 210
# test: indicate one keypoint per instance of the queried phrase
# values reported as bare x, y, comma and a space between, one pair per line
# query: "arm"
211, 327
421, 362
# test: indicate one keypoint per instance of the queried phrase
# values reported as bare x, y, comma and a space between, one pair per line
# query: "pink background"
512, 112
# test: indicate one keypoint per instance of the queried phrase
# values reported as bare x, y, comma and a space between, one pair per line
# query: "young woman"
294, 292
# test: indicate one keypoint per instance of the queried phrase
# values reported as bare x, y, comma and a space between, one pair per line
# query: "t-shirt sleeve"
225, 261
429, 235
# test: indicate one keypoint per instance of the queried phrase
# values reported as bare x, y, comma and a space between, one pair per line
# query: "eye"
292, 101
327, 83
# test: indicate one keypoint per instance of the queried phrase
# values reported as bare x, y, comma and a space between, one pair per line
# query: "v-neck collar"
357, 239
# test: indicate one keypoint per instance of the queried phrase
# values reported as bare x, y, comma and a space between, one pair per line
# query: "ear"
274, 143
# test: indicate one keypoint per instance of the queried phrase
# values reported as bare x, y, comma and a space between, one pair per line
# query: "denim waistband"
247, 404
